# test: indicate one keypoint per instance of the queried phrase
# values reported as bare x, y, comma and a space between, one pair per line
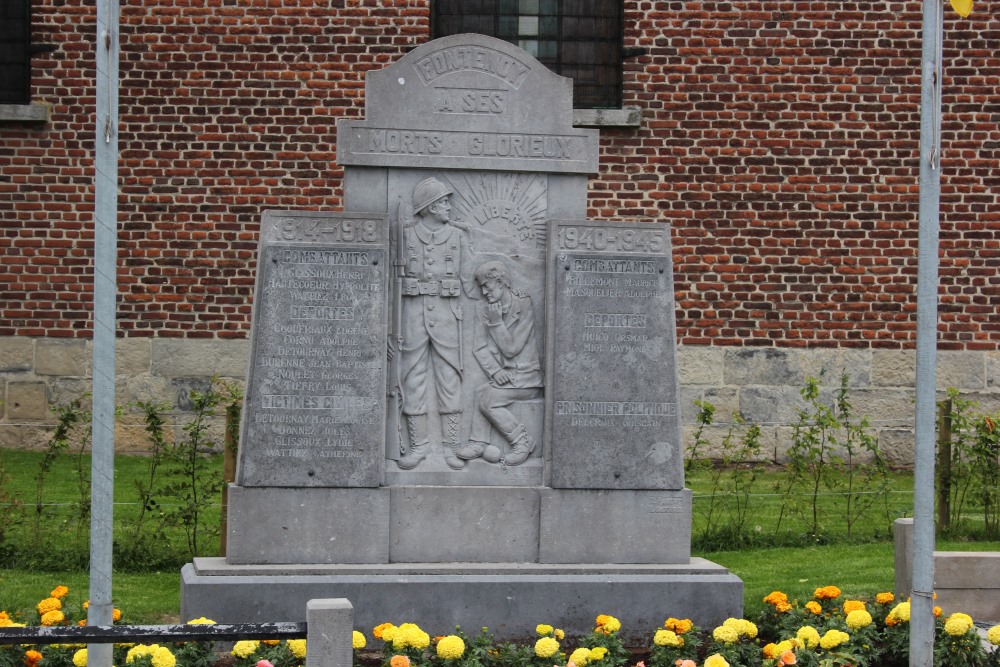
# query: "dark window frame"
597, 84
15, 52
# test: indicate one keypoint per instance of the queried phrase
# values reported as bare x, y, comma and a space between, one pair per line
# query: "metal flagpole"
105, 293
921, 601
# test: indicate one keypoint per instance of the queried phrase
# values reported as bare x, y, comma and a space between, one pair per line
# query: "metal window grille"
15, 43
581, 39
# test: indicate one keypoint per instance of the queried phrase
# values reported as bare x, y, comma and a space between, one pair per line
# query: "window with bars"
581, 39
15, 51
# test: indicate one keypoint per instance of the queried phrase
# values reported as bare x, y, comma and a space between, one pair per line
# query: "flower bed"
828, 630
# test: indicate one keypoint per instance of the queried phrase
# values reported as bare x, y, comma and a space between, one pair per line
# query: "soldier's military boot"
473, 450
521, 445
449, 431
416, 426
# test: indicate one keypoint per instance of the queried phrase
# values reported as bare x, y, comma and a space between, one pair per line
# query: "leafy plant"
69, 418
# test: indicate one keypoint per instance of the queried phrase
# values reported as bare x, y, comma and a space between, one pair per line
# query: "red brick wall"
779, 139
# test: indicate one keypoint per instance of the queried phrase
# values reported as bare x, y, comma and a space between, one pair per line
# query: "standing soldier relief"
434, 250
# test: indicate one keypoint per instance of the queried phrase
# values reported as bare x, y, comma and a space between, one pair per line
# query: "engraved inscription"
614, 239
314, 391
470, 101
476, 59
614, 328
447, 143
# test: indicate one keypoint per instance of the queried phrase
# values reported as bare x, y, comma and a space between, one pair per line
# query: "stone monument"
462, 405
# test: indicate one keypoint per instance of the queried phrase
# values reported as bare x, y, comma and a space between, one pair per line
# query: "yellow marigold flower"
726, 634
956, 626
80, 658
716, 660
770, 651
859, 618
297, 647
853, 605
32, 657
782, 607
814, 607
786, 645
827, 593
749, 629
667, 638
580, 656
833, 639
885, 598
609, 625
243, 649
901, 612
162, 657
201, 620
451, 648
808, 635
54, 617
47, 605
59, 592
358, 640
544, 630
959, 614
559, 634
993, 634
678, 625
379, 631
546, 647
597, 653
399, 661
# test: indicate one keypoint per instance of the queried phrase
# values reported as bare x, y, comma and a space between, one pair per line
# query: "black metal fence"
114, 634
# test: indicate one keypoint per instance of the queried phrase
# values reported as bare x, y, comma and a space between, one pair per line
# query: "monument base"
509, 599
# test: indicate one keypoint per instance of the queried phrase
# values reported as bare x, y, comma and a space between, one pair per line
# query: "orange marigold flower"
379, 629
770, 651
678, 625
54, 617
32, 657
782, 607
827, 593
59, 592
270, 642
890, 620
885, 598
603, 619
47, 605
814, 607
937, 612
776, 598
854, 605
787, 658
116, 615
399, 661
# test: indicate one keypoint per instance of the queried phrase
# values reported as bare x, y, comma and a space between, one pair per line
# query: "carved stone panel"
315, 407
466, 377
613, 392
471, 102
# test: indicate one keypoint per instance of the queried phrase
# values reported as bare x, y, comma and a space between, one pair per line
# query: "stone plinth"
509, 599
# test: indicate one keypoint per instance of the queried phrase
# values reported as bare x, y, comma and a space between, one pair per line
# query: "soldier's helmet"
427, 192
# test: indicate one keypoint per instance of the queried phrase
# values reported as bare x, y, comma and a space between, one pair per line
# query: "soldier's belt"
444, 288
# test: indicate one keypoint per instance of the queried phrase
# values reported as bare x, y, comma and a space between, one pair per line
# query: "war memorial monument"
462, 403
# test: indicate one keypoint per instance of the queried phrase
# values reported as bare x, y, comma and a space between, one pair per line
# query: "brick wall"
779, 138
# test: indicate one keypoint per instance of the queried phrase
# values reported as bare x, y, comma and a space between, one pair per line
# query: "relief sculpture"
434, 252
441, 408
506, 348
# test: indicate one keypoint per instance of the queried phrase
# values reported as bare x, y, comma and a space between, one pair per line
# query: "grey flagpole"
922, 602
105, 295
